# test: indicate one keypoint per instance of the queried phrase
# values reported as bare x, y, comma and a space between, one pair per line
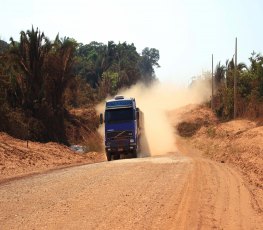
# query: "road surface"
166, 192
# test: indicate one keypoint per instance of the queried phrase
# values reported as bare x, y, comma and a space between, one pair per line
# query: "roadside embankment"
237, 142
16, 159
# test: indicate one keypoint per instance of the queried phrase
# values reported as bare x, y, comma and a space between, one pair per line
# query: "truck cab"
122, 127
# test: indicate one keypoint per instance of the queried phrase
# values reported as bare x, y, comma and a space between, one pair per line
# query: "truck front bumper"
121, 149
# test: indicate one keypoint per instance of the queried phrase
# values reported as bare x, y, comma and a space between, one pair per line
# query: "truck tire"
116, 156
134, 154
108, 154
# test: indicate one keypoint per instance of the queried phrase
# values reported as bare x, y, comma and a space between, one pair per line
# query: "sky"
186, 32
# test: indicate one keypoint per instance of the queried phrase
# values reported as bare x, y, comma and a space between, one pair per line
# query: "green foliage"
219, 75
3, 46
40, 79
30, 54
149, 59
249, 88
79, 94
94, 60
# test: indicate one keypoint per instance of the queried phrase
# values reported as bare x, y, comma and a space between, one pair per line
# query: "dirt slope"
238, 143
17, 160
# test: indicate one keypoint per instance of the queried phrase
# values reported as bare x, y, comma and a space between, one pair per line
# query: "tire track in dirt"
166, 192
216, 198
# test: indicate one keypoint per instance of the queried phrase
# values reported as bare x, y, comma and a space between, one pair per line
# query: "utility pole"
212, 84
235, 83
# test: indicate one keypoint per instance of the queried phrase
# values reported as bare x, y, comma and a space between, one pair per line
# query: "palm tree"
31, 53
219, 75
59, 69
105, 59
230, 68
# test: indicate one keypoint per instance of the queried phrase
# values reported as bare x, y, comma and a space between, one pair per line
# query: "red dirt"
18, 160
238, 143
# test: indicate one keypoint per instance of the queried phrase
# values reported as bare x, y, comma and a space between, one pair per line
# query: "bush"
188, 129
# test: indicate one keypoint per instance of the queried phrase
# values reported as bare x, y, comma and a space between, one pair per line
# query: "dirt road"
166, 192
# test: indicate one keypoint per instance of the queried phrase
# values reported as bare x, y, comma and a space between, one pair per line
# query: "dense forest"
249, 96
41, 80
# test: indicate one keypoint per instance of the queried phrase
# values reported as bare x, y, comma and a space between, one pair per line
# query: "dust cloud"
155, 102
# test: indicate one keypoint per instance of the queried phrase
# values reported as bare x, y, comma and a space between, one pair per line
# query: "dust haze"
155, 102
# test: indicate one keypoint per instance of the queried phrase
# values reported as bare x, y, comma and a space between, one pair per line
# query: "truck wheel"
134, 154
116, 156
139, 144
108, 156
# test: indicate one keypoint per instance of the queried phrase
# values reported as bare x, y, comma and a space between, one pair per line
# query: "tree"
126, 65
219, 75
149, 60
30, 53
3, 46
59, 69
256, 71
93, 60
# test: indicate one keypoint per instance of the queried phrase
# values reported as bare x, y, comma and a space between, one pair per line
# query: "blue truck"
123, 127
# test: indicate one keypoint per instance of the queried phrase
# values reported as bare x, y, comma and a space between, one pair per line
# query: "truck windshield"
119, 115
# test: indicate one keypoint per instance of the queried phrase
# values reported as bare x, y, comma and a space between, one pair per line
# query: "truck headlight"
131, 140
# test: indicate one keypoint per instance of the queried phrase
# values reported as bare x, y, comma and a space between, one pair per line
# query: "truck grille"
117, 135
